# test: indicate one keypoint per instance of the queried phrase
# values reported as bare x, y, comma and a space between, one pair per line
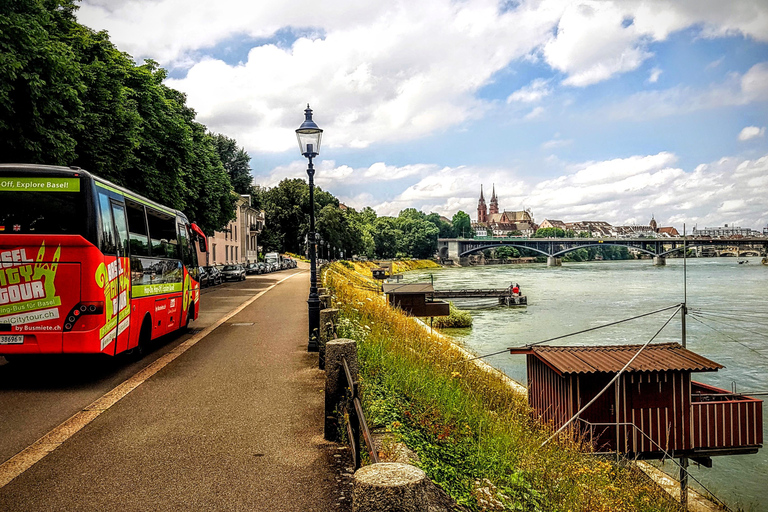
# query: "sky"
575, 109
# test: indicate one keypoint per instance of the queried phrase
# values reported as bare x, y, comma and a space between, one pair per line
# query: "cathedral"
491, 222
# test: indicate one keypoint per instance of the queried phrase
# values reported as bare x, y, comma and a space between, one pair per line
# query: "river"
729, 325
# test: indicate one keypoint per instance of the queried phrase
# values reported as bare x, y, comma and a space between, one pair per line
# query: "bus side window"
162, 233
137, 227
107, 231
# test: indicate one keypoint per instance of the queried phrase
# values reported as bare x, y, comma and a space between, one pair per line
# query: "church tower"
494, 202
482, 210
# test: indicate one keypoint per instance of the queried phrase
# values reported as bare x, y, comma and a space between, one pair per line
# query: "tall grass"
474, 435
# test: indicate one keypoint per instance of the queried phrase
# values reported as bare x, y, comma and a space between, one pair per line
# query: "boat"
741, 262
765, 261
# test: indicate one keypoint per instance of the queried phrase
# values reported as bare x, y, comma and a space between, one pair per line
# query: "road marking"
35, 452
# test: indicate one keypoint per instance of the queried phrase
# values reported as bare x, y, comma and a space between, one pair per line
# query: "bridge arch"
493, 246
571, 249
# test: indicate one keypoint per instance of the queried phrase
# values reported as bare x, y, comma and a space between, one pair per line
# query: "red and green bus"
87, 266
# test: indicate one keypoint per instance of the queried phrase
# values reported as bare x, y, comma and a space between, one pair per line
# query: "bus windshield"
42, 213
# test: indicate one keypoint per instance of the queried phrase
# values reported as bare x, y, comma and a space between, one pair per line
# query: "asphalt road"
233, 423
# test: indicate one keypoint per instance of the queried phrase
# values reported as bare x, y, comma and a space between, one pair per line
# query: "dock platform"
502, 294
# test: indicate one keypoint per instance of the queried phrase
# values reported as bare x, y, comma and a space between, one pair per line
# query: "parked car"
233, 273
212, 276
252, 268
263, 269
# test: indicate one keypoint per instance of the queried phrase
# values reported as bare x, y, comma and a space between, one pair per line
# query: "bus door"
119, 287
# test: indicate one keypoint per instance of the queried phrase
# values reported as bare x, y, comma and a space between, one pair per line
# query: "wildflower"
455, 375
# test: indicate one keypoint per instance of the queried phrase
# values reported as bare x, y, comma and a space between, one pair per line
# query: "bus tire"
145, 336
190, 314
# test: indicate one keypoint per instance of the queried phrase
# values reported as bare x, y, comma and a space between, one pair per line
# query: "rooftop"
612, 358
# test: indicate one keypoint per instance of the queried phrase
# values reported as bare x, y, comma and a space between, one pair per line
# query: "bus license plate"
12, 339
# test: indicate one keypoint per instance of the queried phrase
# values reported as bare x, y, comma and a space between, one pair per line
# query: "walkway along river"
728, 324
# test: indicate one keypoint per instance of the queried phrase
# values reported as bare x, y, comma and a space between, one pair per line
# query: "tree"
236, 162
462, 225
41, 82
506, 252
69, 97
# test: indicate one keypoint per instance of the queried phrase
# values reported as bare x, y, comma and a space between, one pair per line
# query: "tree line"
346, 231
69, 97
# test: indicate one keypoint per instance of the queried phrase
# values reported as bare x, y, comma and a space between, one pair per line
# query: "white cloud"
655, 74
736, 90
531, 93
598, 39
390, 71
619, 191
750, 132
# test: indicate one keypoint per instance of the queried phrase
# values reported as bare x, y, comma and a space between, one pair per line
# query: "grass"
474, 435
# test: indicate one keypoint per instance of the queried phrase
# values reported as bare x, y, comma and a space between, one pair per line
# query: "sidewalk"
234, 423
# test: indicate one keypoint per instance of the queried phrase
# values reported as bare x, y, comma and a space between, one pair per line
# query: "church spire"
482, 209
494, 202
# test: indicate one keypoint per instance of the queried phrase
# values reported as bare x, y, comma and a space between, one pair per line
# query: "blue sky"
578, 110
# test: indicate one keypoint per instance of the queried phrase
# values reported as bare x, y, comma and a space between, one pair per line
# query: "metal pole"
683, 313
313, 302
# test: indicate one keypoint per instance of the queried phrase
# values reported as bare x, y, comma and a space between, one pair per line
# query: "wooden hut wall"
658, 404
549, 394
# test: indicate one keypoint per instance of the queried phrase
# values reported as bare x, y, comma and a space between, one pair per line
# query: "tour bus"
87, 266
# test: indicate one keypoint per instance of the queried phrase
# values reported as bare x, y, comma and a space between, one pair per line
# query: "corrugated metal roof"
417, 288
612, 358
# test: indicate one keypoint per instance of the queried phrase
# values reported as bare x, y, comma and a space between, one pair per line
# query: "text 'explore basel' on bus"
87, 266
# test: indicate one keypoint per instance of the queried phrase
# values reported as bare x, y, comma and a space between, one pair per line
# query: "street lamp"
309, 135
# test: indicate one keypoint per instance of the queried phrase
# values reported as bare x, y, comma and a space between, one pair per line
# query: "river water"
728, 324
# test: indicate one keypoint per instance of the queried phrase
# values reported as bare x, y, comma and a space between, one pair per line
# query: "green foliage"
455, 318
505, 252
462, 225
554, 233
69, 97
236, 162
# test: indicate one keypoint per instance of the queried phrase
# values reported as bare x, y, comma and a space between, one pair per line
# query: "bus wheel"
145, 336
189, 316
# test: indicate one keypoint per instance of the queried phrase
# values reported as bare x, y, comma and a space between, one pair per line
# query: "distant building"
549, 223
595, 228
491, 222
238, 241
725, 231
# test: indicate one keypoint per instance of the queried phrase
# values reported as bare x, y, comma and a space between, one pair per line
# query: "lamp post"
309, 135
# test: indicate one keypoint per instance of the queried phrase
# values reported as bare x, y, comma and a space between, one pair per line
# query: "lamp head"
309, 135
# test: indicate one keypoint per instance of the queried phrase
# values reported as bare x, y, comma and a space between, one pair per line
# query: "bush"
456, 318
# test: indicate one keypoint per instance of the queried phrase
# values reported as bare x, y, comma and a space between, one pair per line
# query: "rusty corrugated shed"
612, 358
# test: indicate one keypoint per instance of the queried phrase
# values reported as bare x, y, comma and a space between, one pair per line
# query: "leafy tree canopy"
68, 96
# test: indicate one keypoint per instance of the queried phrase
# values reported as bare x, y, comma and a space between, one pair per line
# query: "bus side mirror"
201, 238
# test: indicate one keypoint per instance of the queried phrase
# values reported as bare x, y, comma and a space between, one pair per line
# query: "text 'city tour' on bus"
87, 266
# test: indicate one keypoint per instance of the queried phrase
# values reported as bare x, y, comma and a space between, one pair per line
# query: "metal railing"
354, 419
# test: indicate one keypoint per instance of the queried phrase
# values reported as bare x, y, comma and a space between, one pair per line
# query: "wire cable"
729, 337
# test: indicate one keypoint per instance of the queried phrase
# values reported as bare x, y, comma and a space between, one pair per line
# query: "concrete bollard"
336, 381
328, 319
325, 301
388, 486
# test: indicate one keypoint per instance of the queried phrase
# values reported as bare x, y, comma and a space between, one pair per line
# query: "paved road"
234, 423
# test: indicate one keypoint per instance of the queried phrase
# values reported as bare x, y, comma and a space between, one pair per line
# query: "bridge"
459, 249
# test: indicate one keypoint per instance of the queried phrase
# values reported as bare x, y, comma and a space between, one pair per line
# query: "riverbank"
473, 434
